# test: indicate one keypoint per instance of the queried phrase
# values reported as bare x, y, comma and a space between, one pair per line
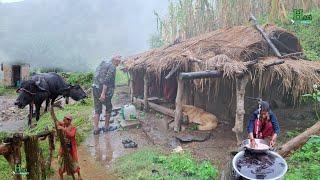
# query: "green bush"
305, 163
82, 79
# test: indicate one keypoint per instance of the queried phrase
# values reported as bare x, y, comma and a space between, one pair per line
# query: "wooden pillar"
131, 87
31, 148
146, 90
178, 111
241, 83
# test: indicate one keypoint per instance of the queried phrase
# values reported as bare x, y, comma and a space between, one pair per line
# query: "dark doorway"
16, 74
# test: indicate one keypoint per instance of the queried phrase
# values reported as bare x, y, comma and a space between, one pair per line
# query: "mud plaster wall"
7, 75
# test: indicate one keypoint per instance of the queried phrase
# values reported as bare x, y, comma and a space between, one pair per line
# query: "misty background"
75, 34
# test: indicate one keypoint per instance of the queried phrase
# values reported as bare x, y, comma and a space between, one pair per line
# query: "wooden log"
173, 70
292, 54
274, 63
200, 74
241, 84
145, 92
264, 35
31, 149
299, 140
178, 111
156, 107
17, 143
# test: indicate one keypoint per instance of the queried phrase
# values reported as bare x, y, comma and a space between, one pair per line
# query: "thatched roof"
228, 50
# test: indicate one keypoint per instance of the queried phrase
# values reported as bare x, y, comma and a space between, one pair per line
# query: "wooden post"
178, 111
31, 148
241, 83
17, 143
131, 86
146, 90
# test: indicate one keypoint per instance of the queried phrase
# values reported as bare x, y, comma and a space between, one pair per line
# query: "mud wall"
7, 75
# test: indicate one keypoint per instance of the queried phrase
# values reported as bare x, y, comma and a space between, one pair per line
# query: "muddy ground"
12, 119
97, 153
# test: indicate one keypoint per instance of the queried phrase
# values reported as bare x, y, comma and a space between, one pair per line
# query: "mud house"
14, 73
218, 70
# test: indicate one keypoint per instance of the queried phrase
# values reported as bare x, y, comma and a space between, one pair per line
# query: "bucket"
128, 112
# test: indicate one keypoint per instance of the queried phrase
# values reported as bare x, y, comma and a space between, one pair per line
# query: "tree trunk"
178, 111
241, 83
31, 148
146, 90
299, 140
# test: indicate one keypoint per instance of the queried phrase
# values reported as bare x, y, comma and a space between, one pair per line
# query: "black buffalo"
45, 87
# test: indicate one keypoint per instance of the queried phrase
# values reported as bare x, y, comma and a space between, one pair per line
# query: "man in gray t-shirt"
103, 88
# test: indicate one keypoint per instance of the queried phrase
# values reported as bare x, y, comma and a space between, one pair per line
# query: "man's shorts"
107, 102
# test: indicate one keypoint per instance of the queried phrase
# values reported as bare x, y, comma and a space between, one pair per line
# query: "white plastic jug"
129, 112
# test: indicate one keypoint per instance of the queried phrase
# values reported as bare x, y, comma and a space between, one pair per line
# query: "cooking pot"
274, 168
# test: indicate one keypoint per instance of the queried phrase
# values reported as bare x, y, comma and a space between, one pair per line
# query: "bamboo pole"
241, 83
146, 90
178, 111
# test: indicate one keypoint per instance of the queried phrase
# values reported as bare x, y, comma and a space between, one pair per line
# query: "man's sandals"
128, 143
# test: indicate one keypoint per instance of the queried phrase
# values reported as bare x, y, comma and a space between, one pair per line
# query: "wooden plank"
156, 107
130, 124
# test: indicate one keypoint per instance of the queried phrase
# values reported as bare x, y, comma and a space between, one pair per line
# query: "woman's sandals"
128, 143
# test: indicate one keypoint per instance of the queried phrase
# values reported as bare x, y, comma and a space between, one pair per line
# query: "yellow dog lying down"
206, 120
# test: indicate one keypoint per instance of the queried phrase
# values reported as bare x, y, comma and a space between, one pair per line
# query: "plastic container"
129, 112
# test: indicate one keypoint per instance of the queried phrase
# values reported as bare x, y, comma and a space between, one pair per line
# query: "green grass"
153, 164
305, 163
5, 91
